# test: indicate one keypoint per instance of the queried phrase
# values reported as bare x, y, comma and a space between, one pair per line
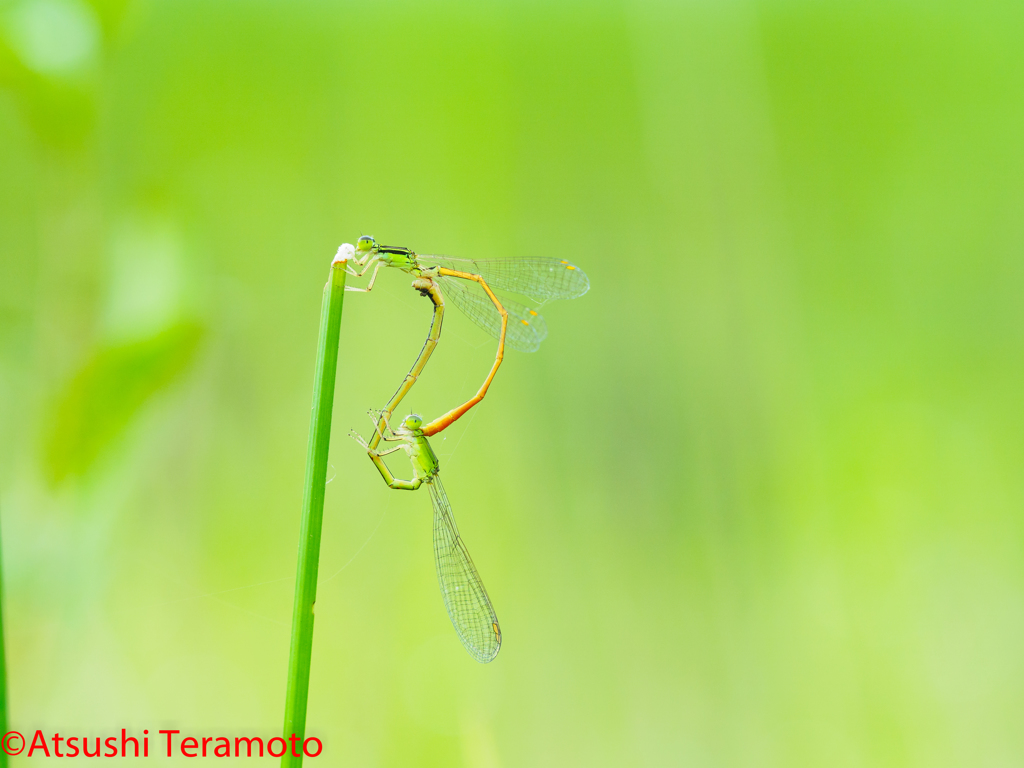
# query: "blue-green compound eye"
365, 243
413, 421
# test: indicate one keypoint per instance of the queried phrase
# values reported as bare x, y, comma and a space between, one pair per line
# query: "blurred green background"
756, 501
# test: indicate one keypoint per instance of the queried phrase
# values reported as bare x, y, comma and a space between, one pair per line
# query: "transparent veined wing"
526, 327
464, 595
540, 279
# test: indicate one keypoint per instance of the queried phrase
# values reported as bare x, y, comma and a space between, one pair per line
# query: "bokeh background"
756, 501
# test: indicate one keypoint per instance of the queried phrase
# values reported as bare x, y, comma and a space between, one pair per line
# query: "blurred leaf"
108, 392
110, 13
19, 265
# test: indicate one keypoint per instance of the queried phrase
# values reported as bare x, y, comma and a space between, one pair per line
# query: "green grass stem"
313, 513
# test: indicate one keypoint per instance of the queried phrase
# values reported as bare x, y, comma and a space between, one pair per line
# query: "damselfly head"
365, 244
413, 421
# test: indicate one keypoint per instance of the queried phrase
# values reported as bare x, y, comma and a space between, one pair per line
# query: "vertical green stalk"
313, 513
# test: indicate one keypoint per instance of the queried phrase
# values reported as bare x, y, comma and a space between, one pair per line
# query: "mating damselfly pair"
471, 285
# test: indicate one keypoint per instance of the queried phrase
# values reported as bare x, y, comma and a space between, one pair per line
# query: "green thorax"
402, 258
424, 461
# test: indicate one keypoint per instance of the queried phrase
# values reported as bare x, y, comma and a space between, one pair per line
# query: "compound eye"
365, 243
413, 421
